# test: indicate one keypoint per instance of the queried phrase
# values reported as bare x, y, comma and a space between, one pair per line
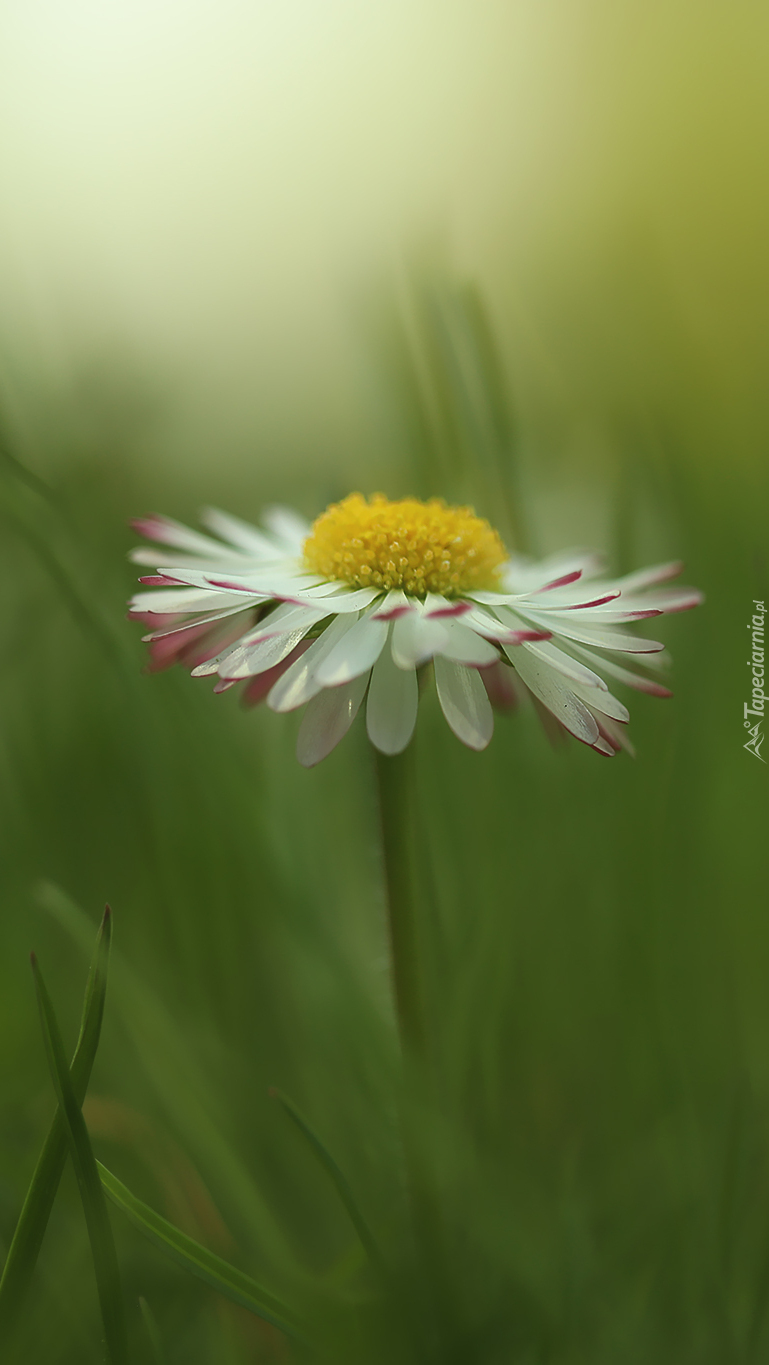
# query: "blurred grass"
596, 941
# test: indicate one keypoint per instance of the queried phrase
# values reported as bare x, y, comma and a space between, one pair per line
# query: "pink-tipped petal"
599, 637
437, 607
644, 578
169, 532
186, 625
231, 585
559, 698
257, 688
563, 663
615, 735
499, 681
596, 602
519, 637
395, 604
241, 535
562, 581
674, 600
605, 748
636, 680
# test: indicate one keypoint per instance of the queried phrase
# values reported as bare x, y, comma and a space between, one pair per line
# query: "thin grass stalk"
338, 1178
33, 1219
92, 1196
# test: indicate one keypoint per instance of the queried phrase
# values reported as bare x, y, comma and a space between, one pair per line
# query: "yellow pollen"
419, 547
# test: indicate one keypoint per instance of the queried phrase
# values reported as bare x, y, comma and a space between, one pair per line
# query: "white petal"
616, 734
327, 720
257, 645
396, 603
391, 709
180, 627
464, 702
664, 600
600, 617
435, 605
643, 578
602, 701
516, 628
299, 682
494, 599
415, 639
355, 653
266, 581
252, 586
255, 651
625, 675
602, 746
487, 624
563, 663
241, 535
287, 616
553, 692
574, 598
344, 599
528, 575
287, 527
152, 554
170, 532
170, 601
246, 661
599, 638
465, 647
244, 577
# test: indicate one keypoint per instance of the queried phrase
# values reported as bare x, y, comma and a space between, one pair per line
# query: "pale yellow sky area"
214, 188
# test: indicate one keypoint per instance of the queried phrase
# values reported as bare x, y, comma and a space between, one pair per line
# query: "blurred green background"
510, 253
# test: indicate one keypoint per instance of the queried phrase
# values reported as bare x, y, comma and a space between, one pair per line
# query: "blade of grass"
226, 1279
158, 1354
338, 1178
88, 617
182, 1086
91, 1193
20, 470
33, 1219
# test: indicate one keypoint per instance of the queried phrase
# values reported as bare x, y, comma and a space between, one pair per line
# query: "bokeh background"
513, 252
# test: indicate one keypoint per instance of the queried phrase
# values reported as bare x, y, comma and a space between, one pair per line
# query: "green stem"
400, 827
397, 806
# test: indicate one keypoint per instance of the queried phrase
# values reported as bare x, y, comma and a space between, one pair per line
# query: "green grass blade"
183, 1087
91, 1193
158, 1354
337, 1176
36, 1210
197, 1259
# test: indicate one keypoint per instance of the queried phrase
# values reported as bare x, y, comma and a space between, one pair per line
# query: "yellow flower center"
420, 547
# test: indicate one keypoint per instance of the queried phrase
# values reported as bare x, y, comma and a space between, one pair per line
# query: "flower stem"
400, 829
395, 781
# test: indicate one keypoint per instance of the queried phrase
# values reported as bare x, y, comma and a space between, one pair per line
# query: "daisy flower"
356, 606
